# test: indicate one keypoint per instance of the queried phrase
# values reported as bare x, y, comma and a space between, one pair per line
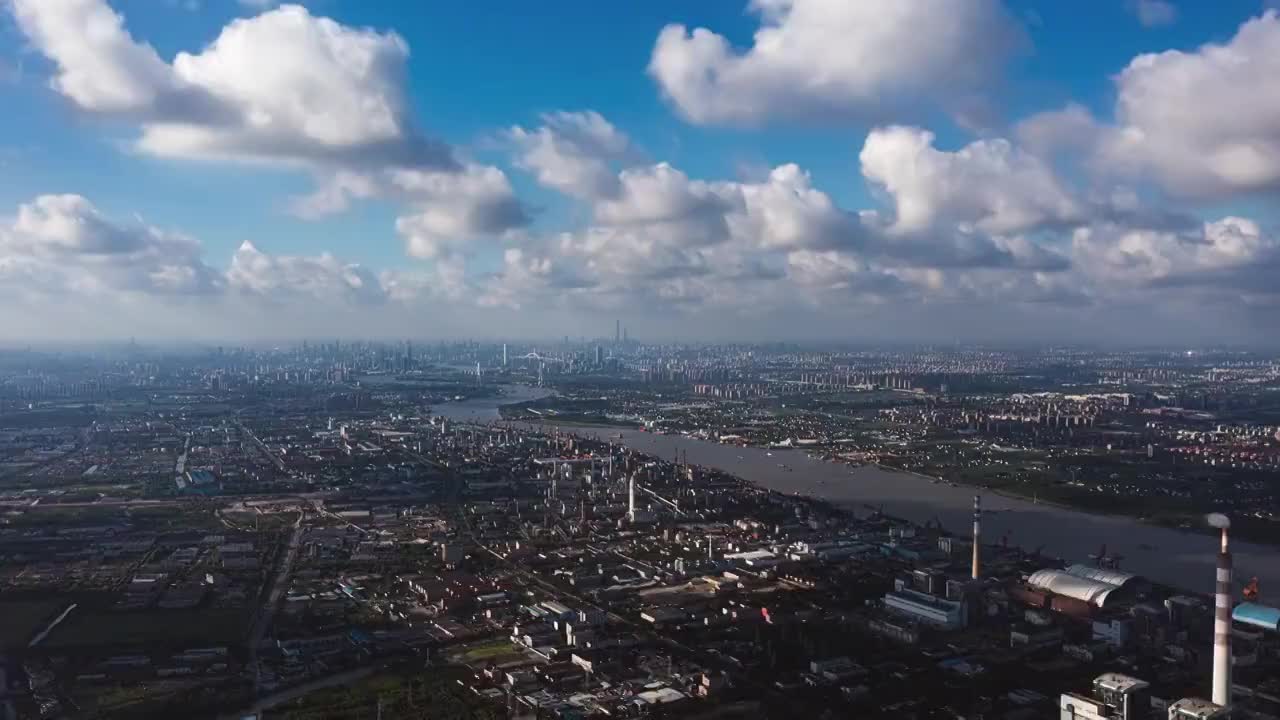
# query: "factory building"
1260, 616
1058, 582
1080, 707
926, 609
1130, 583
1115, 697
1099, 587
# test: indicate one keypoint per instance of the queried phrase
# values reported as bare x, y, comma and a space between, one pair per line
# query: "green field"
433, 693
184, 698
497, 652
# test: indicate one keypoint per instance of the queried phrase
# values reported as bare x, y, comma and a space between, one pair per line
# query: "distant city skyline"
798, 170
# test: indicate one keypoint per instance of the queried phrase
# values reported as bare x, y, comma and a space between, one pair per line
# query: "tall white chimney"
631, 497
977, 536
1222, 617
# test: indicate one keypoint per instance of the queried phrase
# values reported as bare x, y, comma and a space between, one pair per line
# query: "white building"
1115, 697
754, 558
1079, 707
926, 609
1090, 590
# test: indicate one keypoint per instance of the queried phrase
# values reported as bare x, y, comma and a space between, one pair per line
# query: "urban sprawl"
617, 529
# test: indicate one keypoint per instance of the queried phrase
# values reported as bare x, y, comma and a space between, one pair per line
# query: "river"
1182, 559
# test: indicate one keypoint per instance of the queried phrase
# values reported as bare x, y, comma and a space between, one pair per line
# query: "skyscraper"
504, 354
617, 332
599, 356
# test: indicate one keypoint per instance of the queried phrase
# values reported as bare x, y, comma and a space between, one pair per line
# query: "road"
279, 584
262, 448
108, 502
36, 505
318, 505
284, 696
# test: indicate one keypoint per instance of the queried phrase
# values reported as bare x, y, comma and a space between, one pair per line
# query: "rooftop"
1119, 683
1074, 586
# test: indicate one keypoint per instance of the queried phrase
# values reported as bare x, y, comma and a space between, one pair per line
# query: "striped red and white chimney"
1222, 617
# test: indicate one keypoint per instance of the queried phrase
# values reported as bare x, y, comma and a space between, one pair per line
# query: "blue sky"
476, 69
479, 67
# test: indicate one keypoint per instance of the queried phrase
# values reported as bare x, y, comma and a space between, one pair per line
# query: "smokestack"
1222, 617
631, 498
977, 537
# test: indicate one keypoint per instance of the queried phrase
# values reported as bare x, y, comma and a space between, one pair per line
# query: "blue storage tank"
1257, 615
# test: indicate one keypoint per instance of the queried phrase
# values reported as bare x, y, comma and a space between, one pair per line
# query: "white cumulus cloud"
286, 277
455, 208
989, 184
284, 86
1206, 255
572, 152
62, 243
1199, 124
288, 88
837, 59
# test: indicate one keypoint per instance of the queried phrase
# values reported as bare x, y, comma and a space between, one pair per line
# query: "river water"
1173, 557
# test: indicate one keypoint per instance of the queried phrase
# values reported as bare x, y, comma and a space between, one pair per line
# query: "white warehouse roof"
1110, 577
1073, 586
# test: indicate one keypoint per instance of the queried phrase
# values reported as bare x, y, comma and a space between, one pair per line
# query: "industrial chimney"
977, 536
1222, 617
631, 498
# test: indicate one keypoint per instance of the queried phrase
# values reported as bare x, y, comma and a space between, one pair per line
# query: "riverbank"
1183, 521
1171, 556
1183, 517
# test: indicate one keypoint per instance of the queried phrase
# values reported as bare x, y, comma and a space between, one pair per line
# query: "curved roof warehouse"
1059, 582
1110, 577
